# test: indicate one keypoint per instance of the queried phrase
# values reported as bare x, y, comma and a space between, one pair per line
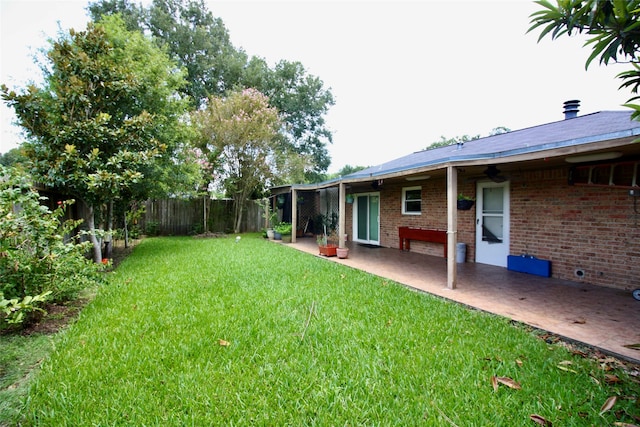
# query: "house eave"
522, 154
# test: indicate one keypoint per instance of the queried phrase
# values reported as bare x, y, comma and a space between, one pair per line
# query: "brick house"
564, 192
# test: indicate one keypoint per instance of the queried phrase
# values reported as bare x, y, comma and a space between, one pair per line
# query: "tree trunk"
126, 230
108, 237
237, 204
91, 224
206, 211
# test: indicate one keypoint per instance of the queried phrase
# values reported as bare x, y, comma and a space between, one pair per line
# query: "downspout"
294, 214
342, 223
452, 226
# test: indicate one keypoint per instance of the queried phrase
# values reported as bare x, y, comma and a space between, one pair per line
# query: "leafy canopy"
444, 141
239, 137
107, 114
612, 28
201, 44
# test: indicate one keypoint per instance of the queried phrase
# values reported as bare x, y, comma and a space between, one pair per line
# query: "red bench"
407, 234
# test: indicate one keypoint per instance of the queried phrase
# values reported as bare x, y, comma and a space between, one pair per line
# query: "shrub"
14, 310
35, 256
152, 228
284, 228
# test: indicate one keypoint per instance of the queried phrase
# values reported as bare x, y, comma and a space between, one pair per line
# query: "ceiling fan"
493, 173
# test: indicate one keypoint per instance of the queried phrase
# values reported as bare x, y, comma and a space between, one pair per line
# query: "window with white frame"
411, 200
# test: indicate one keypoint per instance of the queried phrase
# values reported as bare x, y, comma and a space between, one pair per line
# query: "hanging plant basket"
465, 205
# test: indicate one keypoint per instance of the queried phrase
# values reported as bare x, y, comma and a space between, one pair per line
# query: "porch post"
294, 214
341, 215
452, 226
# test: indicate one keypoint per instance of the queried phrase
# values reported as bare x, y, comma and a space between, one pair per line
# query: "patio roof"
536, 142
604, 130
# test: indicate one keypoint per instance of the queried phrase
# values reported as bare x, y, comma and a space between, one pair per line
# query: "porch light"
594, 157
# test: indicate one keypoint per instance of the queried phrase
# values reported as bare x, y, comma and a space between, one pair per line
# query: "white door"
366, 218
492, 223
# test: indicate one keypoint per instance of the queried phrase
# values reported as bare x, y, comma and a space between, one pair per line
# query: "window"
412, 200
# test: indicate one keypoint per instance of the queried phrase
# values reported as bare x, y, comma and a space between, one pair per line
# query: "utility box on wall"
529, 264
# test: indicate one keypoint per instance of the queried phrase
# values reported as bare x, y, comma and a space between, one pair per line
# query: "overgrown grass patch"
214, 332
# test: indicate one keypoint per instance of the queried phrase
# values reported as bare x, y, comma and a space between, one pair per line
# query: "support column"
342, 223
452, 226
294, 214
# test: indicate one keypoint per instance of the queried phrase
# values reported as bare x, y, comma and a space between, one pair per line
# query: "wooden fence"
174, 217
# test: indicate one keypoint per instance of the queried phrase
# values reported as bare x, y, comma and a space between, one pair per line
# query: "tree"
346, 170
107, 114
465, 138
13, 157
612, 29
238, 135
134, 17
451, 141
201, 44
302, 102
192, 36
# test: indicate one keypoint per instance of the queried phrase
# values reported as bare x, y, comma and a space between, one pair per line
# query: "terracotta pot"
328, 250
342, 253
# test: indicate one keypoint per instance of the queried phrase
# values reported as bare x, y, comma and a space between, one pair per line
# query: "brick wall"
592, 230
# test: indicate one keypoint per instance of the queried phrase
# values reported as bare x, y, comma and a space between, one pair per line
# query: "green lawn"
210, 332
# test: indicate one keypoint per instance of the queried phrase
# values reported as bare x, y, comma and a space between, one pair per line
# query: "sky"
403, 73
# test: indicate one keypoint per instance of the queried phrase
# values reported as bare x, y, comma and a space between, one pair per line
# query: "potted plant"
284, 229
464, 202
327, 244
270, 217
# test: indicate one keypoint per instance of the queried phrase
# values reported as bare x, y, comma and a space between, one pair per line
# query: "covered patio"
605, 318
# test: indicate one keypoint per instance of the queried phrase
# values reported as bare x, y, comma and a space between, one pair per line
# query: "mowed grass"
202, 332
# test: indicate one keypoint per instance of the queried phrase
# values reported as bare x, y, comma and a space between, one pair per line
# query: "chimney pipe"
571, 108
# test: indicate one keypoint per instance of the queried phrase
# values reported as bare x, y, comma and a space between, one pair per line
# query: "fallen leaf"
494, 383
576, 352
508, 382
580, 321
563, 366
224, 343
633, 346
608, 404
518, 362
540, 420
612, 379
619, 424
